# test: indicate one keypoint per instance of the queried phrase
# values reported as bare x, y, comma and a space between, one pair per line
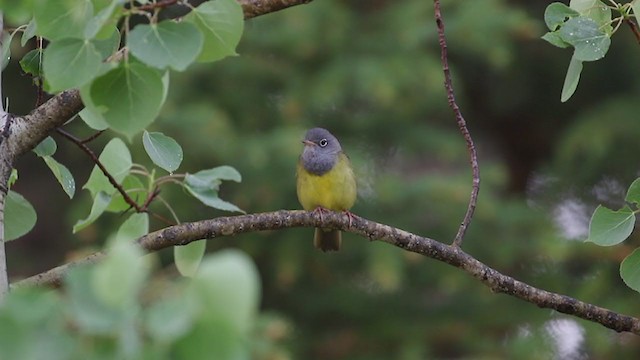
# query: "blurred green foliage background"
370, 72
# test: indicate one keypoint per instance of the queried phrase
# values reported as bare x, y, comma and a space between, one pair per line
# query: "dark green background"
370, 72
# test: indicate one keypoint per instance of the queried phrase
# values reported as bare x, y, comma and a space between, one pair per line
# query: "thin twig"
634, 29
156, 5
462, 125
104, 170
92, 137
234, 225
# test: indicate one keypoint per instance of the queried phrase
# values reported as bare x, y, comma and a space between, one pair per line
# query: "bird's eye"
323, 143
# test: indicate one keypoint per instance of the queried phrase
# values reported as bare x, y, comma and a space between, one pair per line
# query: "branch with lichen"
450, 254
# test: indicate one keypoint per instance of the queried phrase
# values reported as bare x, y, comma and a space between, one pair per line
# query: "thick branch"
462, 125
5, 171
452, 255
253, 8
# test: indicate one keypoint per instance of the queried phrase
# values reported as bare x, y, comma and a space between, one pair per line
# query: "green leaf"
93, 120
28, 33
188, 257
70, 63
585, 35
554, 39
556, 14
19, 216
100, 203
134, 227
212, 177
104, 23
221, 22
210, 198
62, 19
595, 10
163, 150
169, 319
117, 160
31, 62
633, 194
166, 44
62, 174
107, 46
635, 6
571, 79
630, 270
204, 186
227, 288
47, 147
118, 279
128, 97
89, 313
7, 37
610, 227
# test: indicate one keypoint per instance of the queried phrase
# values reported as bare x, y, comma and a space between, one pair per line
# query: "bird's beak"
308, 142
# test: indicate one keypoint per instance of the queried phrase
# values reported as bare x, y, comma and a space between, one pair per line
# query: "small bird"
325, 180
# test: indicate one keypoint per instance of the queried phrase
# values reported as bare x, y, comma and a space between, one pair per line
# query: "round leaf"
118, 278
228, 289
633, 194
188, 257
630, 270
128, 97
62, 19
610, 227
163, 150
166, 44
70, 63
221, 22
556, 14
47, 147
19, 216
590, 42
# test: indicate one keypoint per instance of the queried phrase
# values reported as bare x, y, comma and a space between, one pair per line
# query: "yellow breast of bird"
334, 190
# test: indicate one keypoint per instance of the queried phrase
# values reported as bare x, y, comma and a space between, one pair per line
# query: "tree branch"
228, 226
81, 144
253, 8
634, 29
5, 171
462, 125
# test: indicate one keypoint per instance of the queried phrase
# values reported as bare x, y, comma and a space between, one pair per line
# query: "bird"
325, 181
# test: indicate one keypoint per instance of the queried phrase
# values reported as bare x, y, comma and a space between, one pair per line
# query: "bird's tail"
327, 240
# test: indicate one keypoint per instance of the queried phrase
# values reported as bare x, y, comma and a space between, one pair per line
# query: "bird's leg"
320, 211
350, 215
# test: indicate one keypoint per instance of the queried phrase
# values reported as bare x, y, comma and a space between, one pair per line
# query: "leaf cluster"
587, 26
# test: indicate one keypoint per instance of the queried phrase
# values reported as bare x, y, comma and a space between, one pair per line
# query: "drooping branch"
81, 144
228, 226
462, 125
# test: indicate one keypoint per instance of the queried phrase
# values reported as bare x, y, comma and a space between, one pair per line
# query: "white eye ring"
323, 143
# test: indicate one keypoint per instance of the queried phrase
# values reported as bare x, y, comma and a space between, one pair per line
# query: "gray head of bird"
320, 151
